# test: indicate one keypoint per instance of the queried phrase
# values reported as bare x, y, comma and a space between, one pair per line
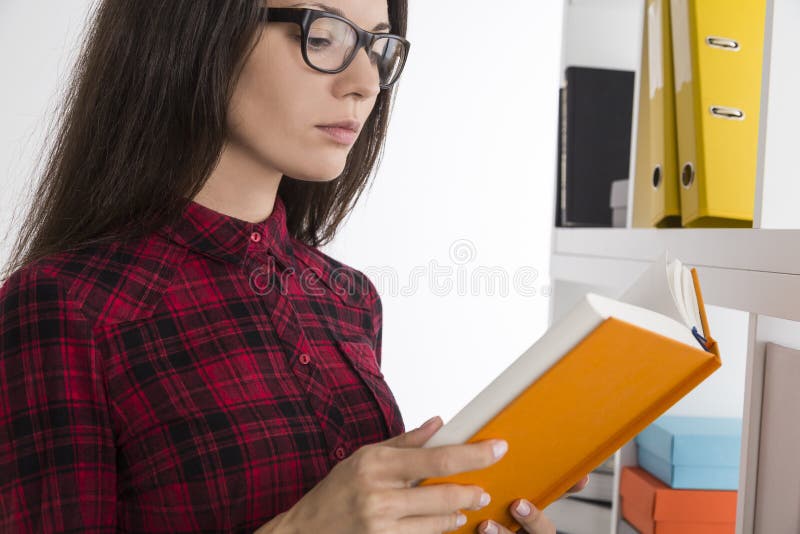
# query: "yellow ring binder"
727, 113
657, 177
722, 42
687, 176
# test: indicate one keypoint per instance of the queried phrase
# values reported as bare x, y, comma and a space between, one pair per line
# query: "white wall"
38, 45
464, 190
466, 182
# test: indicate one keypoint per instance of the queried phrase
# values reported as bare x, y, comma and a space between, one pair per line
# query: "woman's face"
279, 101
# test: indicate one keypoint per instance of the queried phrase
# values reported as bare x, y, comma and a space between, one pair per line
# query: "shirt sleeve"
57, 455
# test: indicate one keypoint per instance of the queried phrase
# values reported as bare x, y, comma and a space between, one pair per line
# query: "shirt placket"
268, 279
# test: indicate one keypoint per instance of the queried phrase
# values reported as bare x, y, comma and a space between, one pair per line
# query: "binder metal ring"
727, 113
723, 43
657, 177
687, 175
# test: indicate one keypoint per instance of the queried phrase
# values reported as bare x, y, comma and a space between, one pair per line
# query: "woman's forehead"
366, 13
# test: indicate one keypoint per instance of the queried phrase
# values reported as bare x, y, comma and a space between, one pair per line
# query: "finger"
438, 499
531, 518
441, 523
416, 437
580, 485
490, 527
414, 464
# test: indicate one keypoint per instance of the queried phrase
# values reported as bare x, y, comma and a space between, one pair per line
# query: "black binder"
596, 116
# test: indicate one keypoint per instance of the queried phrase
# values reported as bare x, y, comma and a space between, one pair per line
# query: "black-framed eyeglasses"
330, 42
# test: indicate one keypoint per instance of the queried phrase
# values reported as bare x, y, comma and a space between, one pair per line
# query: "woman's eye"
316, 42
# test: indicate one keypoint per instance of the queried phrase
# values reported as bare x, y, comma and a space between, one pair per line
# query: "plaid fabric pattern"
200, 379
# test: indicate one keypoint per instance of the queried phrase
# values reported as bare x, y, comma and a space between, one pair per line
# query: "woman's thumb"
418, 436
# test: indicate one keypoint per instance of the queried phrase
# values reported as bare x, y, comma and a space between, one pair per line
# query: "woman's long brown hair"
142, 125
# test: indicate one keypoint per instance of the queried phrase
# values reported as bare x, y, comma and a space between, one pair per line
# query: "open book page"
690, 303
652, 291
682, 287
666, 288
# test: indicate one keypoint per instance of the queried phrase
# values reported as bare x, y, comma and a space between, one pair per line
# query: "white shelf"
761, 292
755, 270
769, 251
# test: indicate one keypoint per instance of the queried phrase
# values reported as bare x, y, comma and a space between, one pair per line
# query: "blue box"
692, 452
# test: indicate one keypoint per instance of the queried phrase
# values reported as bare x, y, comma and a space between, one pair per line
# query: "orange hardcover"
652, 507
597, 397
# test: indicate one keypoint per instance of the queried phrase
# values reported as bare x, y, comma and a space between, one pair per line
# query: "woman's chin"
318, 176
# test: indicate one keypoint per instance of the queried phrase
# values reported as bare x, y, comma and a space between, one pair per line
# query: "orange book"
652, 507
590, 384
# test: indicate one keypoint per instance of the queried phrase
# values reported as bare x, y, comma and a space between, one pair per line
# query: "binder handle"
723, 43
687, 175
727, 113
656, 176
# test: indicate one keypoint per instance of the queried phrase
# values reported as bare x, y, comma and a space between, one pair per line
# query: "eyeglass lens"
331, 41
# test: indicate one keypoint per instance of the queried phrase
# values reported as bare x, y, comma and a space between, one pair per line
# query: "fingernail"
485, 499
461, 521
491, 528
499, 449
523, 508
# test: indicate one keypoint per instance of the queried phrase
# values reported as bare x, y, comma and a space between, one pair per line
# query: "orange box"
652, 507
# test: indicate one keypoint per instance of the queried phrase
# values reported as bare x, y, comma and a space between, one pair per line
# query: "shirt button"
340, 453
255, 237
305, 358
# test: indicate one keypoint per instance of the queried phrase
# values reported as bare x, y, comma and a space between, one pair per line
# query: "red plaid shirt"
200, 379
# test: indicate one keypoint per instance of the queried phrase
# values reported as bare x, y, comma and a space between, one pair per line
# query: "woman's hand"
532, 519
372, 490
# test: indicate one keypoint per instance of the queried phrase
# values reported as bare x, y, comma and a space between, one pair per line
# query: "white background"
466, 182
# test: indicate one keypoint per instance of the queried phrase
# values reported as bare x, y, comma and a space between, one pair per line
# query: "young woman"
176, 354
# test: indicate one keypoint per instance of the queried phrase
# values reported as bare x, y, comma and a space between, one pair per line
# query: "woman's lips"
340, 135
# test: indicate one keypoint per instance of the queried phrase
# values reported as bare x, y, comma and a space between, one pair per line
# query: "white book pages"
652, 290
690, 302
668, 288
674, 278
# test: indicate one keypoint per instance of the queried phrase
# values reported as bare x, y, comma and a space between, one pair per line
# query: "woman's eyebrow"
337, 11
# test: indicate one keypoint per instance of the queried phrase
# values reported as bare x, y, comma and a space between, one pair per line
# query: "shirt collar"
228, 238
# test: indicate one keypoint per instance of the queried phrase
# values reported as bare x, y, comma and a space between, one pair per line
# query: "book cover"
594, 381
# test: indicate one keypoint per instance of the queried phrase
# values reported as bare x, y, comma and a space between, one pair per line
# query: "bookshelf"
755, 271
